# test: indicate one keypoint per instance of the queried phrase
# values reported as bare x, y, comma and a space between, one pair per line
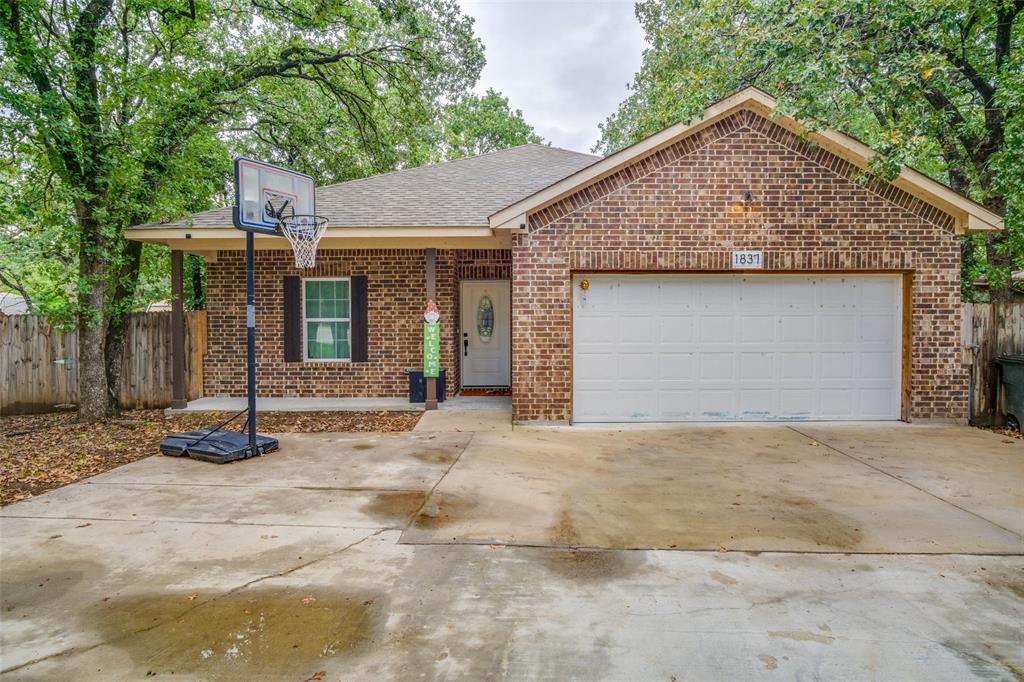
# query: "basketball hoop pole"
250, 337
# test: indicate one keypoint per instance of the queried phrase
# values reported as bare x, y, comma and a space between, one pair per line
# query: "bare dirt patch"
45, 451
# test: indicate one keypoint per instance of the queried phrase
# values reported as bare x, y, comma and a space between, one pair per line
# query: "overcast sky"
565, 64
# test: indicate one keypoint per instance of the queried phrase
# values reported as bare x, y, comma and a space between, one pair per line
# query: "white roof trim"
969, 216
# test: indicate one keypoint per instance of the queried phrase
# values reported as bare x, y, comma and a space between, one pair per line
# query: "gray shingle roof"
463, 192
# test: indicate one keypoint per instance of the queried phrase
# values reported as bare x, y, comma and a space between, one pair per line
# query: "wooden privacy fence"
989, 330
39, 366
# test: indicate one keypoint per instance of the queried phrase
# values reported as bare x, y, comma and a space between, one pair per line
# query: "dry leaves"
44, 451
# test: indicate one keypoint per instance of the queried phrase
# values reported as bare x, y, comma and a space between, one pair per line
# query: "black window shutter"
292, 319
359, 317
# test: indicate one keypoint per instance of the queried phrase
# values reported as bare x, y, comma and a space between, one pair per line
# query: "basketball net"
303, 232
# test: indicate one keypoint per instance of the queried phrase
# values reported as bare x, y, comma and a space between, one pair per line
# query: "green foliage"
116, 113
935, 84
480, 124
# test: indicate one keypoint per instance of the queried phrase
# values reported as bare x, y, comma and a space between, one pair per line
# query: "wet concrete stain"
444, 509
250, 634
985, 663
563, 531
436, 456
818, 524
395, 506
362, 446
658, 498
591, 565
770, 662
801, 636
30, 587
720, 577
1012, 583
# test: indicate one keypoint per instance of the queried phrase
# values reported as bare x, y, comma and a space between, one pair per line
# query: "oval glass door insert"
485, 318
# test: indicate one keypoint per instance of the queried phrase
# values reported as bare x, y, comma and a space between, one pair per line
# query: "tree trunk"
999, 255
113, 359
92, 327
117, 324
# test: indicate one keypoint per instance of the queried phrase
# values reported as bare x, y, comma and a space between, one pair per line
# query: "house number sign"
747, 260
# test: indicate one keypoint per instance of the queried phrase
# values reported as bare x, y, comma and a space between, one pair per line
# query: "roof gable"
752, 125
911, 189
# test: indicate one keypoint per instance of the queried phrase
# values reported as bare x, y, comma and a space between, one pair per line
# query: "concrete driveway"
703, 552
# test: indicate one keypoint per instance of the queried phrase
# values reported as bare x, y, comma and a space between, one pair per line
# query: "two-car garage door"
736, 347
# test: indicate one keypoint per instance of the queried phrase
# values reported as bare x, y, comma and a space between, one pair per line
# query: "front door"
486, 333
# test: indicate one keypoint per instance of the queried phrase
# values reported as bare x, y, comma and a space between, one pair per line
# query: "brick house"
738, 267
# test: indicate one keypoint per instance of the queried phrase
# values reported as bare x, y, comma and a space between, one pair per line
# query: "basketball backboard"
256, 182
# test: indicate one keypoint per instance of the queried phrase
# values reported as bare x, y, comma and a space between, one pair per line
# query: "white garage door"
736, 347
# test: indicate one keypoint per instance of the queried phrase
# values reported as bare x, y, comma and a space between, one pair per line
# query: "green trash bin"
1013, 385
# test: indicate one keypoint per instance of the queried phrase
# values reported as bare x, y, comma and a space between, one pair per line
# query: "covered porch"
397, 282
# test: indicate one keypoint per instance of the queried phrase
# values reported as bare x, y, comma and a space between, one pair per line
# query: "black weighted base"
219, 447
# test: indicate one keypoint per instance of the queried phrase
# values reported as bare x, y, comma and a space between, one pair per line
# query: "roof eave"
212, 239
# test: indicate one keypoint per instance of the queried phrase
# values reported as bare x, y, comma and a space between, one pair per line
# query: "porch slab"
300, 405
468, 414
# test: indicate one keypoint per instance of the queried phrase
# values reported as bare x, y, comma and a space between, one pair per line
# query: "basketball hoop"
303, 232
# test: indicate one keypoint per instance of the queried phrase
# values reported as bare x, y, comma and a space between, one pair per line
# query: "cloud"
565, 64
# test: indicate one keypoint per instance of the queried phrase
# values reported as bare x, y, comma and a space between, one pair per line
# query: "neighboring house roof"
459, 193
969, 215
1016, 280
12, 304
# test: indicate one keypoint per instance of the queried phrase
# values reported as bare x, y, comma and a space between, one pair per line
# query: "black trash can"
1013, 385
418, 386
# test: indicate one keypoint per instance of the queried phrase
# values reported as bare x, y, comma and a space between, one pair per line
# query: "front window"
326, 311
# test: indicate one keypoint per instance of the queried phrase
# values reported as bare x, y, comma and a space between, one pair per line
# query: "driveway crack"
430, 494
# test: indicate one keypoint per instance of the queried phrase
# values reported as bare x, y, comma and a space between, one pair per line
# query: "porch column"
431, 384
178, 398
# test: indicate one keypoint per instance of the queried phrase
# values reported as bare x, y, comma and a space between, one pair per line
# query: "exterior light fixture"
747, 196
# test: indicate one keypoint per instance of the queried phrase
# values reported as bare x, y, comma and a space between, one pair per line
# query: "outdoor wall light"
584, 284
747, 197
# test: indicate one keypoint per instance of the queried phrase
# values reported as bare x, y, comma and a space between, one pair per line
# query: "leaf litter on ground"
39, 452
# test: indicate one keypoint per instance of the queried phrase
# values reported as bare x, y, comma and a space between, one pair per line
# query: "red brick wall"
677, 210
397, 286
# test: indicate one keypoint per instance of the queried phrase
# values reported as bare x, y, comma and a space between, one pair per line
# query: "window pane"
343, 299
312, 299
330, 307
327, 340
327, 299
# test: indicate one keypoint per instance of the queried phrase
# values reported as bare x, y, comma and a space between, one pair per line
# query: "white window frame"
305, 321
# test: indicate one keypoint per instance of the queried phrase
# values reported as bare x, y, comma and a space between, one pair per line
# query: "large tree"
112, 109
479, 124
938, 84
